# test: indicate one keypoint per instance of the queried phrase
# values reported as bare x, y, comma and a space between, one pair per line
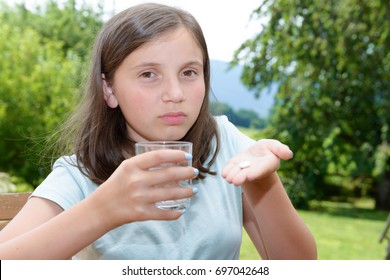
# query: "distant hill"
227, 88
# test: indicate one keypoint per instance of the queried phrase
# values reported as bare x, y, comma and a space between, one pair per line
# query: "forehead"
178, 44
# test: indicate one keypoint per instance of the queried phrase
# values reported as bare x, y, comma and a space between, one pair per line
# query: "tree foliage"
332, 62
42, 54
242, 117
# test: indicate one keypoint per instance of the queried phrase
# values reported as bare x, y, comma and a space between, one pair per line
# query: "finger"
163, 194
234, 171
243, 171
171, 174
145, 208
155, 213
155, 158
239, 179
276, 147
172, 191
261, 169
227, 169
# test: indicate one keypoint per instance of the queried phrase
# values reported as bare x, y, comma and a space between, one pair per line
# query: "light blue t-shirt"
210, 229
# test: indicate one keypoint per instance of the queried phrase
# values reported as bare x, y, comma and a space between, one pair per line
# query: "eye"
189, 73
148, 75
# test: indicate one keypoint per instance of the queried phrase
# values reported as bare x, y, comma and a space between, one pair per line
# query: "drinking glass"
143, 147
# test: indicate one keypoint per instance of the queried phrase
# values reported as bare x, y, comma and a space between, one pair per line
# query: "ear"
109, 96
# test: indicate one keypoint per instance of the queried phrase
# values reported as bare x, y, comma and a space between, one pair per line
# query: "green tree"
332, 62
73, 23
218, 109
41, 65
36, 88
248, 118
242, 117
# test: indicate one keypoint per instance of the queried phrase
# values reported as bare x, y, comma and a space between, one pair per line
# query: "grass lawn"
343, 231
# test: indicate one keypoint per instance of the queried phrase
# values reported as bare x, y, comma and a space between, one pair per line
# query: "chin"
170, 139
173, 135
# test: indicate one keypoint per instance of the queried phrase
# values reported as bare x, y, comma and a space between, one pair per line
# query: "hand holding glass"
143, 147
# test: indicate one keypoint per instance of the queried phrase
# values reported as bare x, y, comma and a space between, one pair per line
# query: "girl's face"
160, 87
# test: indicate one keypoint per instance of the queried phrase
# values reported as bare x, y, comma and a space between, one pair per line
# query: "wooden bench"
10, 204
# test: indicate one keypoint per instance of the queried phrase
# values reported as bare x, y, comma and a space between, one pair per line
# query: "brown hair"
96, 133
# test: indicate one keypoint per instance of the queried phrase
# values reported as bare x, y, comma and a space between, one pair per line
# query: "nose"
172, 91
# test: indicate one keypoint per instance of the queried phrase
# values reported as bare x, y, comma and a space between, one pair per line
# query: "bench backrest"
10, 204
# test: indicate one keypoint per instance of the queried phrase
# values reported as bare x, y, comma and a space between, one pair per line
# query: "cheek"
134, 99
198, 94
137, 106
133, 105
138, 110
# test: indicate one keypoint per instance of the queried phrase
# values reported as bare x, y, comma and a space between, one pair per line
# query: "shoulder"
66, 184
68, 166
230, 135
223, 121
65, 162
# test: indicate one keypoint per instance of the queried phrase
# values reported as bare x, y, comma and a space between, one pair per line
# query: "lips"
173, 118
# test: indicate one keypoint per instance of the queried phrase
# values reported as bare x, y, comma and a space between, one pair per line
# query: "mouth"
173, 118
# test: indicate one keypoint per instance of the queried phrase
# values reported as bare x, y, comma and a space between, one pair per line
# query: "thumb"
281, 150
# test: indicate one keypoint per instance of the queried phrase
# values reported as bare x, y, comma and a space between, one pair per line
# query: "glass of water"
143, 147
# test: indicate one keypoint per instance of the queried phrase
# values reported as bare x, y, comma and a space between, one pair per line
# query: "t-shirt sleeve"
65, 185
229, 133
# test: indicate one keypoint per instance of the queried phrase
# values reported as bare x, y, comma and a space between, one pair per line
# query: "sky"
225, 23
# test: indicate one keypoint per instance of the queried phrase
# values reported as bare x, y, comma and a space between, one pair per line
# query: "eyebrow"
154, 64
145, 64
196, 62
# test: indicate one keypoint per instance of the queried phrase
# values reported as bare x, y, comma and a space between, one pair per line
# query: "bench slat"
10, 205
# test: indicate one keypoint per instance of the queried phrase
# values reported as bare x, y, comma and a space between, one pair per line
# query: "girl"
150, 80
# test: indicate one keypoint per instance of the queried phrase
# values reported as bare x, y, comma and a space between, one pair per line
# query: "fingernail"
188, 156
196, 172
195, 190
